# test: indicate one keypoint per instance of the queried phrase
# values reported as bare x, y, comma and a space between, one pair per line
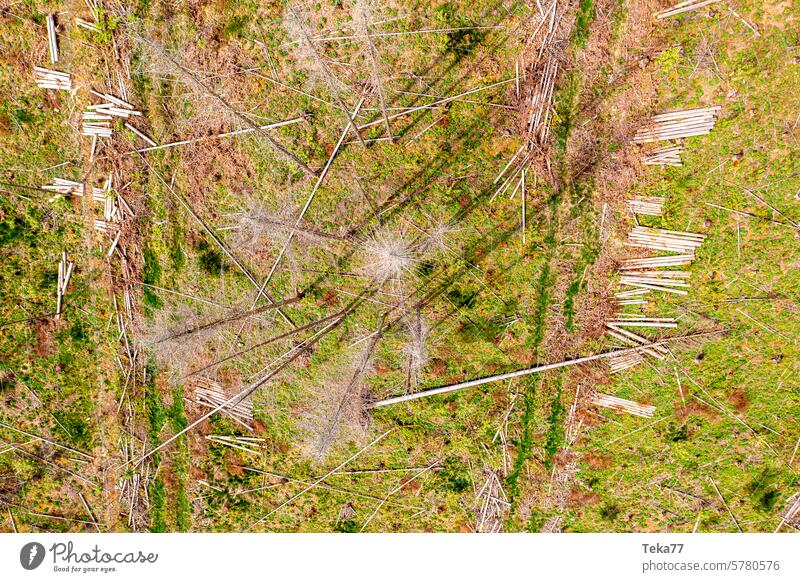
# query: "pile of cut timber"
211, 395
51, 38
96, 124
631, 320
677, 125
622, 405
624, 361
651, 205
541, 102
657, 262
64, 274
97, 119
666, 281
668, 156
49, 79
110, 209
105, 226
685, 6
631, 297
659, 239
645, 275
629, 339
115, 208
69, 187
113, 106
247, 444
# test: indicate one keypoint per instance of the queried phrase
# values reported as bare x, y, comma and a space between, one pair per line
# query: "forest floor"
400, 265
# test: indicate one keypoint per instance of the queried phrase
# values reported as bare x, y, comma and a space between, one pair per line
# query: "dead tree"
229, 319
289, 156
330, 79
223, 247
361, 15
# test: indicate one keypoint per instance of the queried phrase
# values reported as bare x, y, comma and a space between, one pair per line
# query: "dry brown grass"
217, 64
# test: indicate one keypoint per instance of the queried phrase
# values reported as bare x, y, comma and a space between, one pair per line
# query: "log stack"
211, 394
622, 405
667, 156
678, 125
50, 79
64, 275
650, 205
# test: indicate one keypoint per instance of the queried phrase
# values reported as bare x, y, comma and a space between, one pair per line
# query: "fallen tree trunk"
526, 372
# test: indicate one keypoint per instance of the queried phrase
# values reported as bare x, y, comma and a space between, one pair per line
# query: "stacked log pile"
211, 394
667, 156
50, 79
622, 405
650, 205
678, 125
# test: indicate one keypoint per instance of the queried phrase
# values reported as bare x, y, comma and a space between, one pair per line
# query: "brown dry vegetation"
434, 274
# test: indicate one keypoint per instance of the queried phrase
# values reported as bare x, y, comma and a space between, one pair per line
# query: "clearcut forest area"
400, 266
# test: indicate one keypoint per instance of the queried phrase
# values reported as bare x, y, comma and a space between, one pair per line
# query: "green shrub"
763, 490
610, 511
347, 526
453, 476
210, 259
